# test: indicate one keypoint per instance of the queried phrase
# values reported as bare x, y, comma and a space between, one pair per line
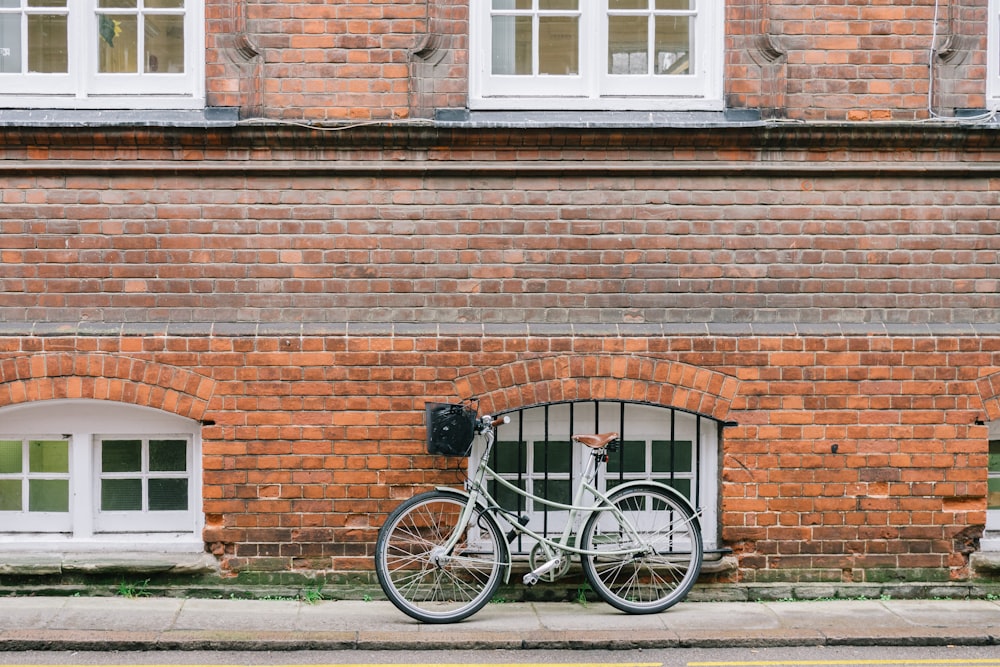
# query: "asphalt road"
842, 656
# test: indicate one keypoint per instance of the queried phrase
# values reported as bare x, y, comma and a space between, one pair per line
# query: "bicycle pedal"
532, 577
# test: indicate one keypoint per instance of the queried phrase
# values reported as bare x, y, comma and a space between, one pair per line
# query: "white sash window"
596, 54
102, 54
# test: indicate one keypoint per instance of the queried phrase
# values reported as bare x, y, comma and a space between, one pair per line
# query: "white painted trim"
83, 88
593, 89
82, 421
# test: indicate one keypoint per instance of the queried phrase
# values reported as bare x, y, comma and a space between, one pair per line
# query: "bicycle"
441, 555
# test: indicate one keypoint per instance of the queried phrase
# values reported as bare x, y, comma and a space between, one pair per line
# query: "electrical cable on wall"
932, 54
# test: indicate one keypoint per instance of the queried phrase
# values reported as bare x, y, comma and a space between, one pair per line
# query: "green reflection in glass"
553, 456
507, 457
556, 490
168, 494
10, 495
48, 495
672, 457
48, 455
167, 455
508, 499
121, 455
121, 495
11, 453
630, 457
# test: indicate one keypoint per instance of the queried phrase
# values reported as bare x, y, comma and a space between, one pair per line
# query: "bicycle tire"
421, 580
649, 577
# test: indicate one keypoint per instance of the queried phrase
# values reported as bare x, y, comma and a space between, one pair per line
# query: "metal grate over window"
534, 452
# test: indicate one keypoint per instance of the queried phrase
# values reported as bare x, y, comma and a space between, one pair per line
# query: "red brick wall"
309, 292
316, 437
338, 61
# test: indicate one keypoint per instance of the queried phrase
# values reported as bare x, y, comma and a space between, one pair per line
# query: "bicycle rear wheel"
648, 553
424, 581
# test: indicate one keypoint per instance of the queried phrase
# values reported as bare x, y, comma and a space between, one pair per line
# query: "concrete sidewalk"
75, 623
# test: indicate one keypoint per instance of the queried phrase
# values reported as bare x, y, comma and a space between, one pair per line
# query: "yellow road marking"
977, 662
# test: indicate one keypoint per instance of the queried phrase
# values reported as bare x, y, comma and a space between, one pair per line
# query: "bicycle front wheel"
645, 552
420, 577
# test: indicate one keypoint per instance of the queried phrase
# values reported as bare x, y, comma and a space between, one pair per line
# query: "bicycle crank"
548, 571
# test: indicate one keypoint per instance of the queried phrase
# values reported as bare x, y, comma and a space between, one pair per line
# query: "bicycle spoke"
420, 577
648, 554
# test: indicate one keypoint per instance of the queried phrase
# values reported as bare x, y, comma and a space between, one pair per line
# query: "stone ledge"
136, 563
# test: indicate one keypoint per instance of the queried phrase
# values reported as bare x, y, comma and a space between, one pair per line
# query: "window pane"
48, 456
628, 4
43, 3
993, 491
682, 485
121, 495
630, 457
164, 43
556, 490
507, 499
562, 5
117, 3
121, 456
682, 5
47, 44
558, 45
168, 494
512, 45
673, 45
48, 495
164, 4
553, 456
10, 456
167, 455
10, 495
118, 43
9, 4
511, 4
507, 457
628, 44
10, 43
667, 458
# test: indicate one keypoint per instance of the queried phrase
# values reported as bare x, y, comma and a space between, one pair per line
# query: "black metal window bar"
534, 452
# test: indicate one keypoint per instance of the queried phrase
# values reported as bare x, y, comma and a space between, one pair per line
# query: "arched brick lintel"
630, 378
989, 392
105, 377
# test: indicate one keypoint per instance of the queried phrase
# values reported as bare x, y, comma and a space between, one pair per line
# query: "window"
671, 446
991, 539
993, 55
96, 471
101, 53
596, 54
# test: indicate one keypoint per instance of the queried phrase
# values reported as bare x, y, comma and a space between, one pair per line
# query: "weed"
581, 594
312, 595
133, 591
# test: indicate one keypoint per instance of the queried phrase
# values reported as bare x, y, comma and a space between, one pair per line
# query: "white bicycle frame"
479, 495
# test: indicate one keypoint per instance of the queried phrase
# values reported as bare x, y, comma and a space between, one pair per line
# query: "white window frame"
643, 422
82, 87
143, 520
594, 88
993, 55
26, 520
991, 537
84, 422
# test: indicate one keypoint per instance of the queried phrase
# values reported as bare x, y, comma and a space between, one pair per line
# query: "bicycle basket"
450, 429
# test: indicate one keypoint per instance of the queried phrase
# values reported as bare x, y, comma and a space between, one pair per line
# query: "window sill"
597, 119
36, 563
203, 117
